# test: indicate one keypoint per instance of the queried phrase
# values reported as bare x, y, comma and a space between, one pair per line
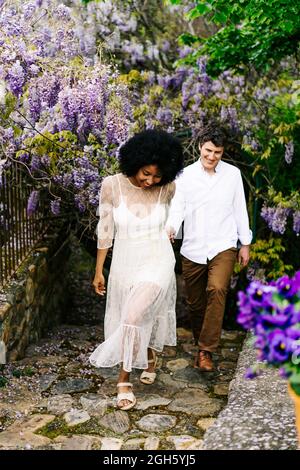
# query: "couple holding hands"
142, 209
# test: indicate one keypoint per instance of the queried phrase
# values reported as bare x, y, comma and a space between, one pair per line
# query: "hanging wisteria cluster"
136, 34
189, 96
278, 209
277, 217
63, 114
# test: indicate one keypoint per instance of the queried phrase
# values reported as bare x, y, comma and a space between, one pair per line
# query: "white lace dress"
141, 288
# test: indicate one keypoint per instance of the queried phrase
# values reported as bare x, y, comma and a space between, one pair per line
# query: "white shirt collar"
217, 168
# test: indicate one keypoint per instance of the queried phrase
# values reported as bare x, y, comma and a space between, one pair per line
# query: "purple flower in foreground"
261, 340
246, 316
273, 313
277, 319
279, 346
296, 283
251, 373
293, 333
261, 296
284, 284
288, 287
284, 373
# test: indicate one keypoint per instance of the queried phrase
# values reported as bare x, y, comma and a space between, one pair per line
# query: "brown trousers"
206, 289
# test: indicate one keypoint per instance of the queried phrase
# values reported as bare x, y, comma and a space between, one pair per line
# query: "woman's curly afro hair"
152, 147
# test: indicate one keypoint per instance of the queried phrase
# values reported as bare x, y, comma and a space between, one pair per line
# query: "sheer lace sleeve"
105, 227
171, 192
168, 193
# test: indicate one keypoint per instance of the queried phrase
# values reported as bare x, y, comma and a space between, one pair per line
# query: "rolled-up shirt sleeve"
240, 213
106, 226
177, 208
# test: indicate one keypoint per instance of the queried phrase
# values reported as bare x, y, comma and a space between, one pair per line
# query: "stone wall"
35, 299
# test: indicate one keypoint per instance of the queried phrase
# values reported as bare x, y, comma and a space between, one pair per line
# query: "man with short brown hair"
210, 200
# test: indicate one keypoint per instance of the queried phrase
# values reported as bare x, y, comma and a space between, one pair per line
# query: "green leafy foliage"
3, 381
257, 33
25, 372
290, 201
267, 254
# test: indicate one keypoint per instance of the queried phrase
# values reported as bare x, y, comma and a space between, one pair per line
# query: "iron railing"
18, 232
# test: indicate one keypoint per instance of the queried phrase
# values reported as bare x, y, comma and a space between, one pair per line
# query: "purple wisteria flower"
165, 46
55, 206
165, 81
276, 217
289, 152
184, 51
296, 221
35, 163
62, 12
164, 115
32, 203
29, 10
16, 78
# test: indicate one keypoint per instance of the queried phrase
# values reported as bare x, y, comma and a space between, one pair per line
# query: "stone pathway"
54, 399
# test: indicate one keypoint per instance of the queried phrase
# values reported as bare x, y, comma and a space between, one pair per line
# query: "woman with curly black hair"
141, 292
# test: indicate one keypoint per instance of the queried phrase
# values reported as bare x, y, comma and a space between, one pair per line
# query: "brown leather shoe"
205, 362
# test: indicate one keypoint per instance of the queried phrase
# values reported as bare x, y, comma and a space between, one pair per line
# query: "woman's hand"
99, 284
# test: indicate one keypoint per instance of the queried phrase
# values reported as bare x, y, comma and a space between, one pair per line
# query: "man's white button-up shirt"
213, 209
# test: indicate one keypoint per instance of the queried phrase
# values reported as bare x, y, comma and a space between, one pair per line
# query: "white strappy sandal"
126, 396
148, 378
